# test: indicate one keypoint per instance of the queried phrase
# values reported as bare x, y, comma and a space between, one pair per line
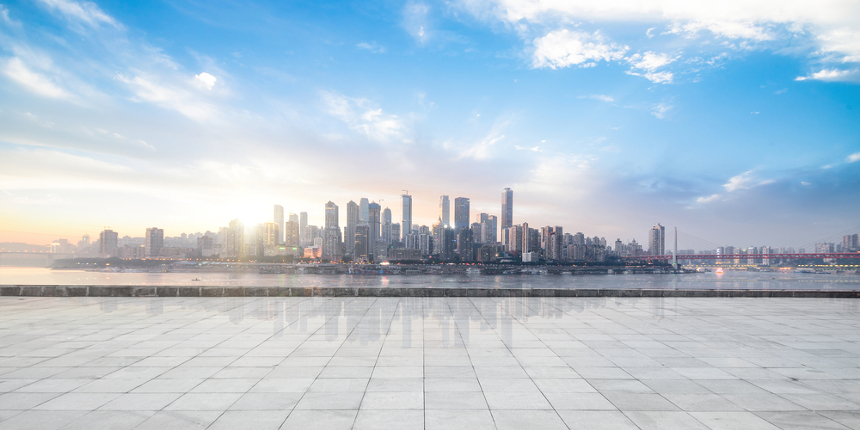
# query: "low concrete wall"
179, 291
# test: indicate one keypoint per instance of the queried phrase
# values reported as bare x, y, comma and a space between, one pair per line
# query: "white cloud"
206, 80
372, 47
565, 48
728, 29
711, 198
85, 12
480, 150
744, 181
660, 110
168, 97
415, 20
655, 77
601, 97
831, 25
831, 75
853, 158
533, 149
37, 83
649, 60
361, 116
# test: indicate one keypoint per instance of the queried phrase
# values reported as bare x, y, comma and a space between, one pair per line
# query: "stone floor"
476, 363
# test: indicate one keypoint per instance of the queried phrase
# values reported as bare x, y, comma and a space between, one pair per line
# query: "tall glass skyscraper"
406, 219
507, 208
445, 211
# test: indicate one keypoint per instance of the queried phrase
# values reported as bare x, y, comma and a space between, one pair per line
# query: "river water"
729, 280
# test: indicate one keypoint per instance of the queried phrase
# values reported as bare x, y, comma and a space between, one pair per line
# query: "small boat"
196, 279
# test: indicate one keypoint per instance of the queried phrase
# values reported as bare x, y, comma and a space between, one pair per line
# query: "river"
730, 280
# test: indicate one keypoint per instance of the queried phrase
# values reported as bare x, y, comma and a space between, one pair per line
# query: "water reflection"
411, 322
728, 280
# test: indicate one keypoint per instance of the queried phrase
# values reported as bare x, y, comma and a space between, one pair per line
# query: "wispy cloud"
372, 47
853, 158
147, 89
533, 149
34, 82
601, 97
81, 12
361, 115
660, 110
832, 75
416, 20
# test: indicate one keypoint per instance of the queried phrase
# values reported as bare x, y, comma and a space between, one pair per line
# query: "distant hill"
20, 247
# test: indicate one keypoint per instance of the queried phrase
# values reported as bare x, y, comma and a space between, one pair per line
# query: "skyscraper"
291, 237
507, 208
361, 243
294, 217
373, 210
445, 211
657, 240
278, 218
406, 219
303, 224
461, 213
362, 216
153, 242
386, 216
331, 234
108, 240
352, 220
331, 215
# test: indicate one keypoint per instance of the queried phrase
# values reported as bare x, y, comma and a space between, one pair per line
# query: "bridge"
43, 259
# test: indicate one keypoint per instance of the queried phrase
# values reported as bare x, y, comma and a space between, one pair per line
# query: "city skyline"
735, 122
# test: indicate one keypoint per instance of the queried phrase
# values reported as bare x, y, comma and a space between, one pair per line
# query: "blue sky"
738, 122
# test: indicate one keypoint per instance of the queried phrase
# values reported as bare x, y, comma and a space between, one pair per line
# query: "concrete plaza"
432, 363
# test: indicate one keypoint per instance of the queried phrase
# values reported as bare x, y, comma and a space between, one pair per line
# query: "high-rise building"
278, 218
271, 239
233, 240
153, 242
526, 248
515, 240
331, 234
108, 240
373, 214
477, 232
406, 218
361, 246
851, 243
464, 245
447, 246
291, 237
461, 213
303, 224
332, 218
657, 240
507, 208
293, 218
352, 220
363, 206
386, 216
445, 211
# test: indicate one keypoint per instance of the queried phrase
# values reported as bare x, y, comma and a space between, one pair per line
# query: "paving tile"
250, 420
521, 419
803, 420
466, 419
320, 419
380, 419
393, 400
461, 400
733, 421
596, 420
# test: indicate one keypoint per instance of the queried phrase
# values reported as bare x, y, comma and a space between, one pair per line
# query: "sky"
738, 121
